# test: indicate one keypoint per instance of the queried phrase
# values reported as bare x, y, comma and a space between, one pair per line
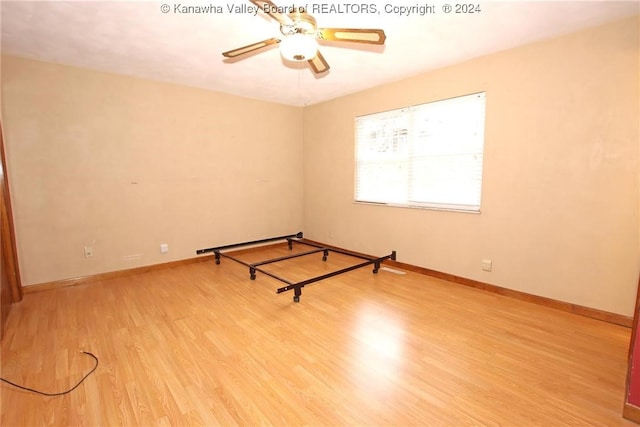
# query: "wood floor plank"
202, 344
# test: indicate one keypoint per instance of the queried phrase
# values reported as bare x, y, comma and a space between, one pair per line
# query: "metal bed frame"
295, 286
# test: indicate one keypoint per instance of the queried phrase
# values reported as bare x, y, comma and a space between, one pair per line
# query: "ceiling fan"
299, 35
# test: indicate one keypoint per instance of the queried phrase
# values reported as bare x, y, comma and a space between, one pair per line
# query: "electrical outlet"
164, 248
88, 251
487, 265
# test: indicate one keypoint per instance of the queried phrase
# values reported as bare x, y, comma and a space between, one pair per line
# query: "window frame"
408, 115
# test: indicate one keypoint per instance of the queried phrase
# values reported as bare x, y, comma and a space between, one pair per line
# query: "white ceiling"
138, 39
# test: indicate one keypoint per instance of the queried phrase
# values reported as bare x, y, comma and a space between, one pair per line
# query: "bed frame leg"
376, 267
217, 257
297, 292
325, 254
252, 273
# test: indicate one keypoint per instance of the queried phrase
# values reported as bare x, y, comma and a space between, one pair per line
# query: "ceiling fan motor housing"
302, 23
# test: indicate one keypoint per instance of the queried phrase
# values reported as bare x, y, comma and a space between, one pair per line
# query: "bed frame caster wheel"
296, 298
376, 267
253, 277
324, 258
218, 261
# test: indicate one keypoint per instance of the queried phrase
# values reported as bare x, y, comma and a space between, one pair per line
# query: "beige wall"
560, 191
123, 165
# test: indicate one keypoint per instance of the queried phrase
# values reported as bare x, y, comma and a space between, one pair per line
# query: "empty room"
266, 213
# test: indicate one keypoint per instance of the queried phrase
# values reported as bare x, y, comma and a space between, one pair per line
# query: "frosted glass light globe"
298, 47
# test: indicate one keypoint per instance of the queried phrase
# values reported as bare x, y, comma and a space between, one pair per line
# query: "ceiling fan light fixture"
298, 47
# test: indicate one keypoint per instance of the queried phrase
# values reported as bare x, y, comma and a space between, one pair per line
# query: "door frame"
9, 251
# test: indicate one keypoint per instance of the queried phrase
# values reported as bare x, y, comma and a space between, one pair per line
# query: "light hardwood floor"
203, 345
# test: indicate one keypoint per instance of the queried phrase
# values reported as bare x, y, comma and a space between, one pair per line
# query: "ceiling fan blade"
318, 63
268, 7
363, 35
250, 48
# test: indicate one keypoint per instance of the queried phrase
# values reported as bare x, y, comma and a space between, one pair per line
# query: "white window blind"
428, 155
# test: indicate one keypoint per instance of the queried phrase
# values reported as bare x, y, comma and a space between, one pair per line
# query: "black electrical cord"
62, 392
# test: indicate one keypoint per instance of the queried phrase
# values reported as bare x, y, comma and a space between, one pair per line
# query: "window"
428, 155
